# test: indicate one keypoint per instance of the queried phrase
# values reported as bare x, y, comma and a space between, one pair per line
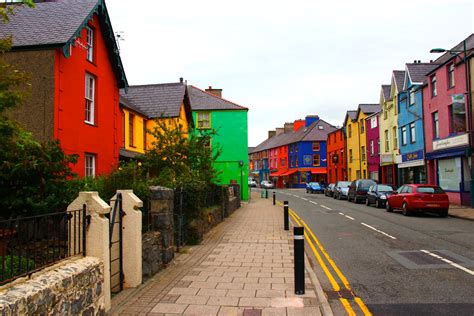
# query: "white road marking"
328, 208
460, 267
313, 202
378, 231
352, 218
305, 199
341, 213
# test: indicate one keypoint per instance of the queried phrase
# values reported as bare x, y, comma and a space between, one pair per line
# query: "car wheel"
367, 202
405, 210
443, 213
377, 203
388, 208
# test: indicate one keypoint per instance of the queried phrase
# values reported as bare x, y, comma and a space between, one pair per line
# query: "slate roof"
126, 103
57, 24
319, 132
418, 71
352, 114
49, 23
156, 100
202, 100
386, 91
444, 58
399, 76
368, 108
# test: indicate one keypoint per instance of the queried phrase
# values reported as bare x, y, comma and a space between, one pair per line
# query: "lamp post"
462, 54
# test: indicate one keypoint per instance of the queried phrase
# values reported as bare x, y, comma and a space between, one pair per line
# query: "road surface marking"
341, 213
351, 218
328, 208
313, 202
378, 231
449, 262
304, 199
332, 280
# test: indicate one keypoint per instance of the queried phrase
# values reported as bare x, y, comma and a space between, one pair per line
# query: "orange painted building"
336, 155
76, 76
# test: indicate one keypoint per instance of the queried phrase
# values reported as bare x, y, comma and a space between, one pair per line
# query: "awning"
278, 173
289, 172
318, 171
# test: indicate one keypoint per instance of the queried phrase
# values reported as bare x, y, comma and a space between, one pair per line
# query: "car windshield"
385, 188
365, 184
429, 190
344, 184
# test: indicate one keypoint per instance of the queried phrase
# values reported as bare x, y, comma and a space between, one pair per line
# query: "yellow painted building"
388, 128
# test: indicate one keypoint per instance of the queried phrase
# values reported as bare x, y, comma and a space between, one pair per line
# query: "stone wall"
151, 253
72, 287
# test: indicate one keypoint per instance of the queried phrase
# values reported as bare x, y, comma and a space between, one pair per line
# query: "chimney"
180, 79
288, 127
280, 130
271, 134
298, 124
216, 92
310, 119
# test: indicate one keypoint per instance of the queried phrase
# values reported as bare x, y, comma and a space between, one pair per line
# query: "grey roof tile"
458, 48
386, 91
399, 76
417, 72
49, 23
157, 100
368, 108
202, 100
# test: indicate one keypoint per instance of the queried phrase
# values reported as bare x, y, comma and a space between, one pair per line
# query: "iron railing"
30, 244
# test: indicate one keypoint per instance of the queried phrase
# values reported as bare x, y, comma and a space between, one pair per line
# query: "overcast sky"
285, 59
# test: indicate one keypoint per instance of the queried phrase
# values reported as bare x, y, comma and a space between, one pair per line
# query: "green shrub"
14, 266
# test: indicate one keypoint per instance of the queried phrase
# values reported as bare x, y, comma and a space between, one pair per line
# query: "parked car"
378, 194
329, 190
419, 198
266, 184
252, 183
313, 187
340, 189
358, 190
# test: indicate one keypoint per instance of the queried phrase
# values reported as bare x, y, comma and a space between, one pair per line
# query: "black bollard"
266, 193
274, 198
299, 259
285, 215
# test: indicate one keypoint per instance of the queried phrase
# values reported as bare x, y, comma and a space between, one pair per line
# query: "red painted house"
76, 75
336, 149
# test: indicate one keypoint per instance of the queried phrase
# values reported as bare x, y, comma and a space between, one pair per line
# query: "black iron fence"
29, 244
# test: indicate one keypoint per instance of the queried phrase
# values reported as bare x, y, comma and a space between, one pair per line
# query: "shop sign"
455, 141
307, 160
416, 155
386, 158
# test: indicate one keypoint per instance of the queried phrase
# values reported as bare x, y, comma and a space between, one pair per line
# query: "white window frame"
412, 132
434, 91
90, 165
90, 44
404, 135
373, 122
89, 110
371, 147
451, 81
435, 125
412, 97
202, 118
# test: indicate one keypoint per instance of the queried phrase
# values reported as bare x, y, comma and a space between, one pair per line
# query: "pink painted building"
446, 125
373, 142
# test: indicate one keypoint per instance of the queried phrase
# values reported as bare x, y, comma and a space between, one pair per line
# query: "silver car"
341, 189
265, 184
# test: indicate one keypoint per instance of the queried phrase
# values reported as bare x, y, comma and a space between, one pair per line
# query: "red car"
419, 197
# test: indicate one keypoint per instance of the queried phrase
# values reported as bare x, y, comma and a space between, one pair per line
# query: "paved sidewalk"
243, 267
461, 211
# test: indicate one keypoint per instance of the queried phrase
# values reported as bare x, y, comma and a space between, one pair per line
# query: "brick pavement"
243, 267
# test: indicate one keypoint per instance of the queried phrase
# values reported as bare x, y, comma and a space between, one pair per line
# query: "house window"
282, 162
131, 119
90, 165
123, 128
342, 155
457, 116
296, 161
203, 120
296, 150
433, 86
316, 160
371, 147
144, 135
451, 75
350, 155
387, 148
435, 125
316, 146
412, 97
373, 122
90, 44
378, 145
395, 138
362, 151
362, 126
350, 131
404, 135
90, 99
412, 132
385, 112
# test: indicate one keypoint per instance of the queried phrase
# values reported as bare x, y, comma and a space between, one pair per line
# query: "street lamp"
463, 57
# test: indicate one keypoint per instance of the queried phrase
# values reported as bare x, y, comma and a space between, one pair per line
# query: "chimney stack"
180, 79
216, 92
271, 134
280, 130
288, 127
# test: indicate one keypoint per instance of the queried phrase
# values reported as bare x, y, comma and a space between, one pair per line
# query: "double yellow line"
310, 237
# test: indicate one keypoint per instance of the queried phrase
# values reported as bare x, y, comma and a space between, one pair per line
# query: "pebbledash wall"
74, 287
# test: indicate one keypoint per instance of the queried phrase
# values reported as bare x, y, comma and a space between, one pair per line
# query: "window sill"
90, 124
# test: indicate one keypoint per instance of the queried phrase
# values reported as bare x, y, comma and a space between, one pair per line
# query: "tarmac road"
396, 265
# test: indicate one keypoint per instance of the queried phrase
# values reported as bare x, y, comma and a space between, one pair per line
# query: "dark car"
378, 194
419, 198
329, 190
358, 190
340, 189
313, 187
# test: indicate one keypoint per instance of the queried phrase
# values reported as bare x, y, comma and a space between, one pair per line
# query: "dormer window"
90, 44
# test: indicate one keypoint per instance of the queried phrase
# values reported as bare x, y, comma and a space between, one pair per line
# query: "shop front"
388, 169
412, 169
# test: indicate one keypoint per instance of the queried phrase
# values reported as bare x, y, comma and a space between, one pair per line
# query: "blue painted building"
412, 169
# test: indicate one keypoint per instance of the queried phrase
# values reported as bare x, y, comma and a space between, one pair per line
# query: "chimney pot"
180, 79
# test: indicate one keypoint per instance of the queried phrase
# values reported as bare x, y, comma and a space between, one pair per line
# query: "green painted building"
229, 120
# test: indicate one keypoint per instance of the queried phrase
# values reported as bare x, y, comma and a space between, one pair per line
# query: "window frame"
90, 44
387, 139
362, 126
90, 170
200, 119
404, 135
89, 96
434, 91
395, 138
316, 146
411, 97
131, 129
362, 151
412, 127
451, 79
318, 158
350, 156
435, 120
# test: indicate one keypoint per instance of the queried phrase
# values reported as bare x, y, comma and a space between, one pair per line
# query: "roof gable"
204, 101
350, 115
416, 73
398, 77
58, 24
